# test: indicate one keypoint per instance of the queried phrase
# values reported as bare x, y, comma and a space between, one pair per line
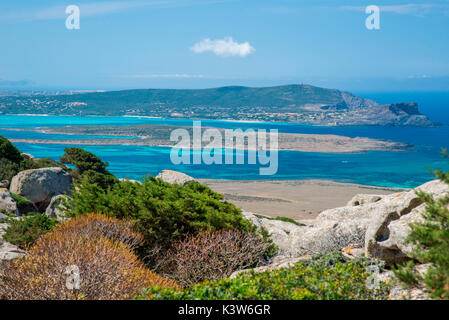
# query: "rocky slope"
378, 224
396, 114
44, 188
373, 225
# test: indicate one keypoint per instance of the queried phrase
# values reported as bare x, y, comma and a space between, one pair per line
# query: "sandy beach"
297, 199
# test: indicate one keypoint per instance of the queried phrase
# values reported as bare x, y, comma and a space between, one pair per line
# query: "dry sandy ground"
297, 199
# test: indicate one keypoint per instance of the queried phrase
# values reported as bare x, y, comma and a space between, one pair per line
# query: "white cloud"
417, 9
226, 47
163, 76
408, 8
100, 8
419, 76
87, 10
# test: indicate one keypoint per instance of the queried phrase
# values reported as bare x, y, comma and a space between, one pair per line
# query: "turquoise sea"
387, 169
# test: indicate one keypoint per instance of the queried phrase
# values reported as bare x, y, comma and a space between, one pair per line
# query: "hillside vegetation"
283, 99
290, 103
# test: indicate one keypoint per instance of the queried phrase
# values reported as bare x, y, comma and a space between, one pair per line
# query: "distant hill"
293, 103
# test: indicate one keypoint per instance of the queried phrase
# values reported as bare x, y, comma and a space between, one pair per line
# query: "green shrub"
25, 231
285, 219
163, 213
97, 225
47, 163
431, 244
407, 274
8, 214
8, 169
343, 280
10, 159
97, 247
12, 162
24, 205
9, 152
330, 259
88, 166
211, 256
325, 260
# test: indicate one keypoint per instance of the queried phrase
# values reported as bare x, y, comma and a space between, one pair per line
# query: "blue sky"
200, 43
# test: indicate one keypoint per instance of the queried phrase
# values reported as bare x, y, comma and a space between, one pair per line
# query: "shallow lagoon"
388, 169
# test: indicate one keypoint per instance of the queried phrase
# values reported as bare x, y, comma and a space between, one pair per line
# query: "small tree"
9, 152
431, 240
10, 159
88, 165
12, 162
24, 232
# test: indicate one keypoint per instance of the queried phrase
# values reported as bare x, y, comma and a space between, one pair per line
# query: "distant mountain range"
288, 103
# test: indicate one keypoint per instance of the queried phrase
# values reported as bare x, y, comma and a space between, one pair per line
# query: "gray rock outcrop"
386, 236
324, 235
379, 224
4, 184
7, 202
27, 156
360, 199
40, 185
171, 176
129, 180
394, 114
399, 292
8, 251
285, 263
56, 207
284, 234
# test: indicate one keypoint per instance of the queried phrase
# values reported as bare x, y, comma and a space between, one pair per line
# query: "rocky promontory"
395, 114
